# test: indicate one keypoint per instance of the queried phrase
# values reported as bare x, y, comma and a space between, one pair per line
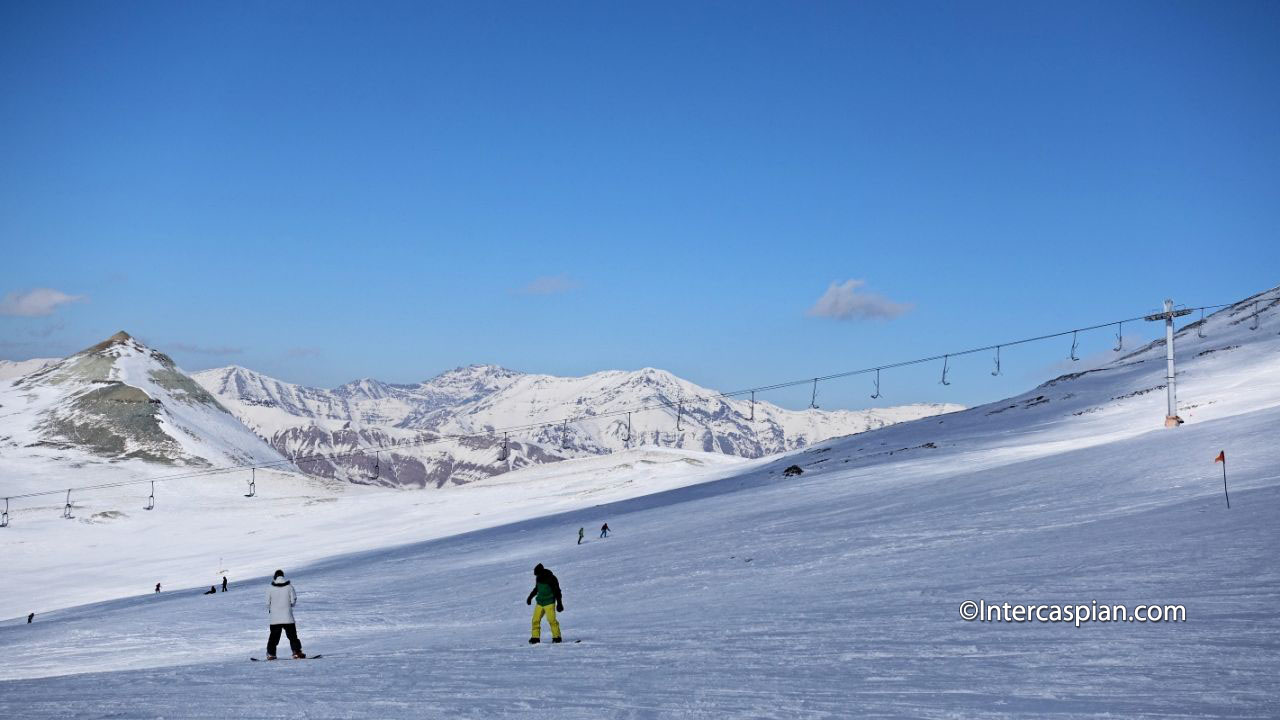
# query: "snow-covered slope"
118, 407
477, 399
746, 592
10, 369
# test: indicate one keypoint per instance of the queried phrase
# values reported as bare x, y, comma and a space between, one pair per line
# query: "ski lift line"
615, 413
920, 361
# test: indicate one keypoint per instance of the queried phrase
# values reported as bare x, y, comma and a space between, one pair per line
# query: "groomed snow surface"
729, 590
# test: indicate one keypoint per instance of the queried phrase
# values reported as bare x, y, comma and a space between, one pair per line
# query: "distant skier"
32, 616
604, 530
224, 583
212, 590
157, 588
546, 589
280, 601
581, 531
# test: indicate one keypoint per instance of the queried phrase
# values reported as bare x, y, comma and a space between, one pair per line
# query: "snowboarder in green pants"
547, 591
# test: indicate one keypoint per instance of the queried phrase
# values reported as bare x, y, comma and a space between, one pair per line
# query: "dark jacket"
546, 588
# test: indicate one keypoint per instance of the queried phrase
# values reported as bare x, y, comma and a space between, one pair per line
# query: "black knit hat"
279, 574
538, 568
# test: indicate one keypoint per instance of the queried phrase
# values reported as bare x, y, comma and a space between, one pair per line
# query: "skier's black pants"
289, 629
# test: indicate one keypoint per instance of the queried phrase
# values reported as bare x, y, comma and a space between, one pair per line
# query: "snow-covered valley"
728, 589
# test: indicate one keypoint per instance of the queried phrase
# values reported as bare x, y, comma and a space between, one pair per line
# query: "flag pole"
1224, 481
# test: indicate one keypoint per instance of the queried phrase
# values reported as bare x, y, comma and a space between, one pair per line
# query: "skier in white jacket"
280, 601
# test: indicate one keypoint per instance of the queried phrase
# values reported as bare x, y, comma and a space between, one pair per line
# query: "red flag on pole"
1222, 457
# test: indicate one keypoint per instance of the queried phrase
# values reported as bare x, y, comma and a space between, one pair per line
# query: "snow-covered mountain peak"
369, 389
121, 400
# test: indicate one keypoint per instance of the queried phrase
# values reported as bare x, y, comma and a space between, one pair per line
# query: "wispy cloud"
549, 285
206, 350
844, 301
40, 302
302, 352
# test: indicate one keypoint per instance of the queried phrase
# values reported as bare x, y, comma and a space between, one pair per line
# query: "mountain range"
121, 403
448, 429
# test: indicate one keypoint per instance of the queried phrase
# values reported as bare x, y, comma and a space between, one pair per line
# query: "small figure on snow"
157, 588
212, 590
604, 530
32, 616
224, 583
280, 601
546, 589
580, 533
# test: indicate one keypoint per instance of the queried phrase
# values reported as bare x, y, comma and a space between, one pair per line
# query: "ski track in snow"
830, 595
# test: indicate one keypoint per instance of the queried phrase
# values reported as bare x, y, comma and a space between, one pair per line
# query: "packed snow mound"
416, 423
118, 402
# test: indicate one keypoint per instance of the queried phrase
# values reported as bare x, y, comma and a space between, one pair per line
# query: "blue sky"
327, 191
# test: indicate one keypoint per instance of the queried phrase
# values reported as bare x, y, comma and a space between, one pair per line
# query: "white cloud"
844, 301
39, 302
549, 285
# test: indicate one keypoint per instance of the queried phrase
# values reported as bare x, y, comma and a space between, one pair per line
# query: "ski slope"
205, 527
744, 593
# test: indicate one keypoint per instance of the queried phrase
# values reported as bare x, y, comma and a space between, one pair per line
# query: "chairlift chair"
66, 509
253, 482
151, 501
